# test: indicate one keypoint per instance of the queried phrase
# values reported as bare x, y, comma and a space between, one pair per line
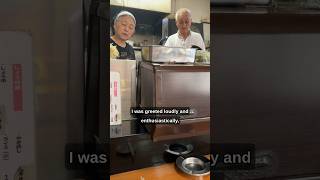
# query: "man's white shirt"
194, 38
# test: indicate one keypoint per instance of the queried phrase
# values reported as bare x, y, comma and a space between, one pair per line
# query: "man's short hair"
182, 11
125, 13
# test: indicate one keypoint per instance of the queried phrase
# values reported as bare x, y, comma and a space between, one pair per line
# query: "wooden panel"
265, 23
270, 99
187, 128
177, 85
168, 85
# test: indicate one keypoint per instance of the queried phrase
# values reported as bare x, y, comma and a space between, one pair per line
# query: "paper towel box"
128, 84
115, 98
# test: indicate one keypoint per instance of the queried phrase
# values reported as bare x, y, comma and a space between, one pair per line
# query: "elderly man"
124, 28
185, 37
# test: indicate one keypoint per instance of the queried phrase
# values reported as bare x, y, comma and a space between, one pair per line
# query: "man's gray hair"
125, 13
182, 11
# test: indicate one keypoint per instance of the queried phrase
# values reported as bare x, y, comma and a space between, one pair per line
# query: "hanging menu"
17, 153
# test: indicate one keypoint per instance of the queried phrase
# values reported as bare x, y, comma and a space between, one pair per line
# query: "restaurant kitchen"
162, 78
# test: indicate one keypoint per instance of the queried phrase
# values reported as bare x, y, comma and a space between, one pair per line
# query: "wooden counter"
165, 171
148, 153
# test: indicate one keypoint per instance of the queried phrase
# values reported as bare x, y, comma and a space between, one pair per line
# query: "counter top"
148, 153
176, 66
181, 64
165, 171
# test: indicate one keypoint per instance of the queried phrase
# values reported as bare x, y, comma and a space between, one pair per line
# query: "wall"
206, 34
161, 6
266, 92
139, 38
200, 9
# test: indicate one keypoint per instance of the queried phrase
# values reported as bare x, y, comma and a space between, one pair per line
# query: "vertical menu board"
17, 139
115, 99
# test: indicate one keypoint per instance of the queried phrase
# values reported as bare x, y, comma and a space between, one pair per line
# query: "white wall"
200, 9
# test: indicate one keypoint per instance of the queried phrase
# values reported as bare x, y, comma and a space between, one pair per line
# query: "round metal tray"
194, 165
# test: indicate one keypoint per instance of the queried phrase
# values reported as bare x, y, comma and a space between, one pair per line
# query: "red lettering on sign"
17, 87
115, 88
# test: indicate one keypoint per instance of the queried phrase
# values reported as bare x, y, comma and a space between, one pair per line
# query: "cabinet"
177, 85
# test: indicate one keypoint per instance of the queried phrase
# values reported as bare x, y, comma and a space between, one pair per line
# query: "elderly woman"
124, 28
185, 37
